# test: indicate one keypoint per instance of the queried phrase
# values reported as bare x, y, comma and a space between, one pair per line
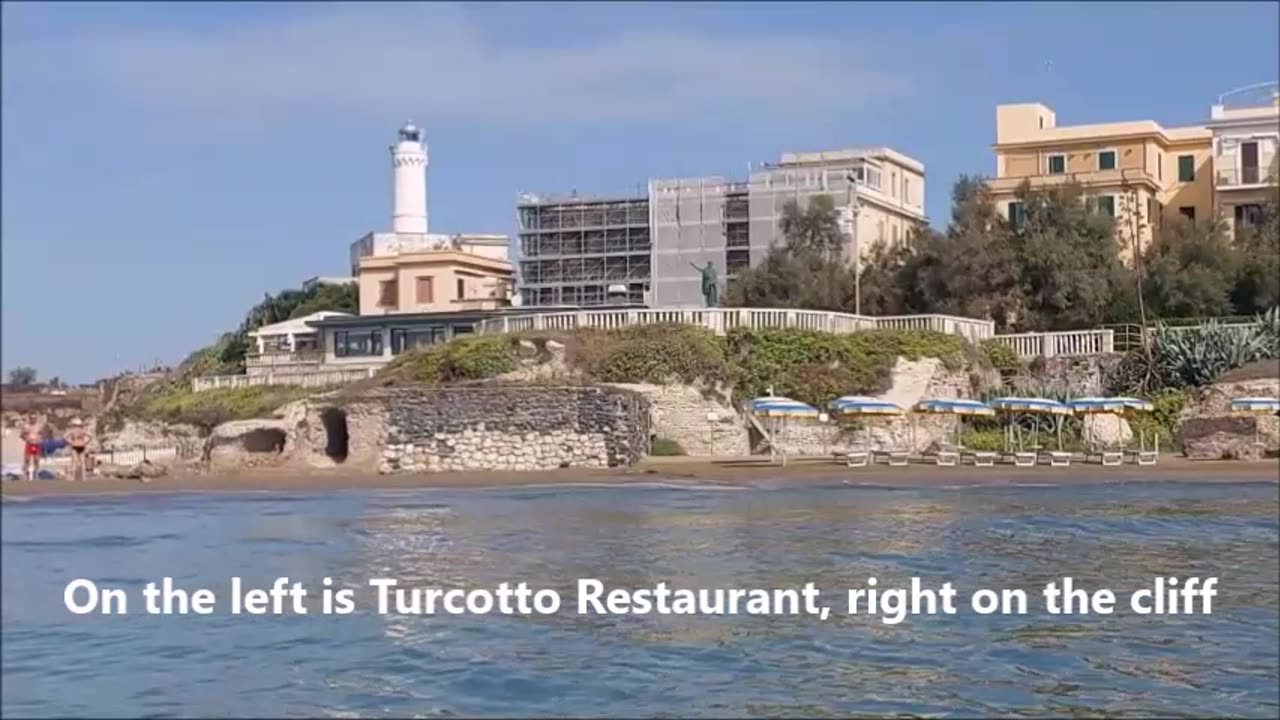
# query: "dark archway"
264, 440
337, 440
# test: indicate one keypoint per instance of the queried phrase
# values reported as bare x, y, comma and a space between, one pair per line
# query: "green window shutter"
1107, 160
1057, 164
1107, 205
1186, 168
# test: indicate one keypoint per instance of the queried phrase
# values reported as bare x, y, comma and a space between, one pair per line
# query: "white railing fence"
1058, 344
721, 320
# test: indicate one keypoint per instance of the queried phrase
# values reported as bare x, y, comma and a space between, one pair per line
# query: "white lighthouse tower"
409, 165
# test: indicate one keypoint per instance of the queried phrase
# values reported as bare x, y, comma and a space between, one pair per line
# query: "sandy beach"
740, 473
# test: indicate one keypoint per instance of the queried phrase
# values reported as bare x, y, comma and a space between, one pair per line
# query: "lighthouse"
409, 178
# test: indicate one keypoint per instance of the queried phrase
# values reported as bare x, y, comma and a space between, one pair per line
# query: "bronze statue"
710, 290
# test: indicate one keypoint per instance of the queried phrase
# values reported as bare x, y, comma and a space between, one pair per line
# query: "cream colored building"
887, 190
428, 273
1246, 130
1127, 167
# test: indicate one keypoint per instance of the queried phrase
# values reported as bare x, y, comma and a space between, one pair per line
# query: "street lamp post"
853, 232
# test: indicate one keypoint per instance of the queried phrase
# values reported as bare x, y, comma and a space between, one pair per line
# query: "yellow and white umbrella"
1115, 406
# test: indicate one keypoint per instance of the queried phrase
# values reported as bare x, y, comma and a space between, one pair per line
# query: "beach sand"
741, 473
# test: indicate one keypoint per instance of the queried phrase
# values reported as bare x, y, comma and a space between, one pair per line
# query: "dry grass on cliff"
1259, 370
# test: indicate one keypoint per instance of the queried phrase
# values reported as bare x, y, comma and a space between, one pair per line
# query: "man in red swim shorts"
32, 436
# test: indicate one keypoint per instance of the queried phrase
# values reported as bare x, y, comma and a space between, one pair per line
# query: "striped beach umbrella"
778, 409
1095, 405
861, 405
954, 406
775, 406
1030, 405
1261, 405
1033, 406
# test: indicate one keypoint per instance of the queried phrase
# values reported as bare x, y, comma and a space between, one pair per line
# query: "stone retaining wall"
435, 428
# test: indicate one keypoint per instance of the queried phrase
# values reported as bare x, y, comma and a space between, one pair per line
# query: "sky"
165, 165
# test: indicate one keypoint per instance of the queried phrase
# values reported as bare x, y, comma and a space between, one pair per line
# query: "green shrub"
478, 358
1001, 356
666, 447
213, 407
1162, 421
976, 438
653, 354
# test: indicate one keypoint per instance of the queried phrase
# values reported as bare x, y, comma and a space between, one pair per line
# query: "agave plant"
1197, 356
1268, 324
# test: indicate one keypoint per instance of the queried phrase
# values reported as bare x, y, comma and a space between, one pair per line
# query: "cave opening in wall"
264, 440
337, 439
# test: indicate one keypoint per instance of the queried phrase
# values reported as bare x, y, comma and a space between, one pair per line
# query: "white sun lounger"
893, 458
1144, 457
857, 458
1111, 458
983, 458
1058, 458
1024, 459
947, 458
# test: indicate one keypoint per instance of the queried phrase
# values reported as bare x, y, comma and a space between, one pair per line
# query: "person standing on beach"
78, 439
32, 436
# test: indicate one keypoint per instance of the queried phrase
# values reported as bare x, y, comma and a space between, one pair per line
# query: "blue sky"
165, 165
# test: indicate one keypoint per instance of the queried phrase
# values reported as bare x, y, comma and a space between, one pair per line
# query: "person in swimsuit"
32, 436
78, 439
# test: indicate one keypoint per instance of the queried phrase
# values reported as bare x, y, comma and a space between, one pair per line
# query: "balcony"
284, 358
1096, 178
1246, 177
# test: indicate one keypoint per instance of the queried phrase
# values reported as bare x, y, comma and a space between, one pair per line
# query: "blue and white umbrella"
1093, 405
774, 406
862, 405
1030, 405
1256, 404
954, 406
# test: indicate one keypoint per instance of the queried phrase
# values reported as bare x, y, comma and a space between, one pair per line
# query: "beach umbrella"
1034, 406
1113, 405
859, 405
777, 409
1259, 406
954, 406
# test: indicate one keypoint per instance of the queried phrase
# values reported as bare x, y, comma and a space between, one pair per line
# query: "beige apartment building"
1159, 173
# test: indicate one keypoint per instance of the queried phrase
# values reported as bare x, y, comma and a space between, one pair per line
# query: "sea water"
369, 665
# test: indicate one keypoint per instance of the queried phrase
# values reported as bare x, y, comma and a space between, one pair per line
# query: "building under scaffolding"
584, 251
695, 221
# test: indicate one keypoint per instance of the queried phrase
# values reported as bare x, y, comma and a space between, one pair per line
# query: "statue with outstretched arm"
710, 289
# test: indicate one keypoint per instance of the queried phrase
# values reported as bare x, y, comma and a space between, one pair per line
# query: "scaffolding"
584, 251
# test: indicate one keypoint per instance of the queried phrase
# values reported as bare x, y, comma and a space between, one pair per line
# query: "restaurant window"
403, 339
1057, 164
1107, 160
361, 343
424, 291
387, 292
1186, 168
1016, 213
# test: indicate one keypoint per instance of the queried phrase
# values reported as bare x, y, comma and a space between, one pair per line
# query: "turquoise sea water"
367, 665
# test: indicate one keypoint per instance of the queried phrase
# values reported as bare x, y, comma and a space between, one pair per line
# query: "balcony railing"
1096, 177
1243, 177
275, 359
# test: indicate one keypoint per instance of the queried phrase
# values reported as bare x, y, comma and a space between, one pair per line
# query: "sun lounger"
1024, 459
1058, 458
983, 458
1144, 457
857, 458
896, 458
947, 457
1111, 458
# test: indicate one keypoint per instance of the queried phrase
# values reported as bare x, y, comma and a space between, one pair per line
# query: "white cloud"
385, 60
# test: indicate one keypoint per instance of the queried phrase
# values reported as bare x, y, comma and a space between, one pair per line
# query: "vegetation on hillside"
206, 410
814, 367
